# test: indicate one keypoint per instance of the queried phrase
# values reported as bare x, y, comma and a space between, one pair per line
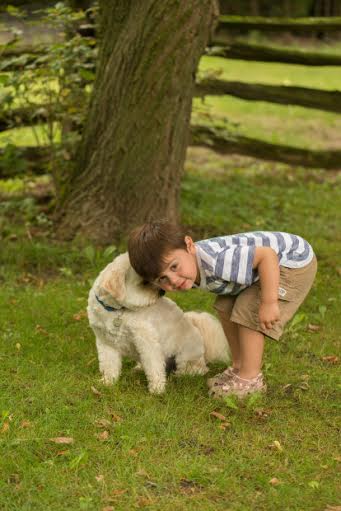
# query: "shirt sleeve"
234, 264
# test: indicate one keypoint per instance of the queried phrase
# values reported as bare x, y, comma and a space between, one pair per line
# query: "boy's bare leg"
251, 344
231, 333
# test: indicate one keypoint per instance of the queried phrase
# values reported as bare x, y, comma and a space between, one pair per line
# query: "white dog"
129, 318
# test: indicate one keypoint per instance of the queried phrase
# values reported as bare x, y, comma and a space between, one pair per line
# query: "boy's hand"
268, 314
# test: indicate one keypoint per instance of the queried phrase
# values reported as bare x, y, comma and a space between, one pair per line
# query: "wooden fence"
213, 137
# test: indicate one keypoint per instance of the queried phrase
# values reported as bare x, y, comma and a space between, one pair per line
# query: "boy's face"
181, 270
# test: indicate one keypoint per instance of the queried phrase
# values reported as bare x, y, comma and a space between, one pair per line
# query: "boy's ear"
190, 244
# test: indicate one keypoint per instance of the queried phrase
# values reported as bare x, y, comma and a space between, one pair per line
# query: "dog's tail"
216, 345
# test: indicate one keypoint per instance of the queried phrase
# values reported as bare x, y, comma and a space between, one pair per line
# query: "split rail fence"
219, 139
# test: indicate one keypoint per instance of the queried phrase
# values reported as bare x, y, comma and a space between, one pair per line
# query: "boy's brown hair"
150, 243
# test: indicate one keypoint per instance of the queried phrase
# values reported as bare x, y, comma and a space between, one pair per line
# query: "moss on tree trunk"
131, 157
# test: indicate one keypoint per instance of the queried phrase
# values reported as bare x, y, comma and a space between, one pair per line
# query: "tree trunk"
131, 158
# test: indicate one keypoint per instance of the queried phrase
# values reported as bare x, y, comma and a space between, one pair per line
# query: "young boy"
260, 279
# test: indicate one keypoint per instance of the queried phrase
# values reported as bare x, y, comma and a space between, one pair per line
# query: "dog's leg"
192, 367
151, 357
191, 358
110, 362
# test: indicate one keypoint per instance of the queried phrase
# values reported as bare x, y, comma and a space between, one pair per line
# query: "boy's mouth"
183, 284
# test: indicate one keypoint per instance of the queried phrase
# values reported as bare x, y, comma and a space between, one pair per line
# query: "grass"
131, 450
168, 452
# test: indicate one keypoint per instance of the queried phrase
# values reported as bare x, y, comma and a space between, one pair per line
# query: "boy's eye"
174, 267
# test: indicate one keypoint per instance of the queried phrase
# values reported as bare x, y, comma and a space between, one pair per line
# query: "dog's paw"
156, 387
193, 368
107, 380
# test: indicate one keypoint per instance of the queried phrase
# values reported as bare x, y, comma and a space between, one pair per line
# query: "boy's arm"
266, 263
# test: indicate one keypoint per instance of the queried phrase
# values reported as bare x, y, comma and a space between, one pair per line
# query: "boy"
260, 279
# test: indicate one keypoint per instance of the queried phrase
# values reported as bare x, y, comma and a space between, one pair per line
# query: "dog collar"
107, 307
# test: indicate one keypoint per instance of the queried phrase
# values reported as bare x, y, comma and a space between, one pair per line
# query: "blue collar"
107, 308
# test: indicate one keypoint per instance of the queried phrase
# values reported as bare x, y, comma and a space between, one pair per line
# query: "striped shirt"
225, 262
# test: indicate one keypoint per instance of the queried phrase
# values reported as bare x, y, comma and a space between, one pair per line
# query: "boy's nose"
173, 279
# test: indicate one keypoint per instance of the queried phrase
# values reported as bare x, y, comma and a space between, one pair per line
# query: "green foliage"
60, 77
11, 161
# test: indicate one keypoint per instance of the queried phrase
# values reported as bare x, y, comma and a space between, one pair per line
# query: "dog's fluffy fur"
148, 328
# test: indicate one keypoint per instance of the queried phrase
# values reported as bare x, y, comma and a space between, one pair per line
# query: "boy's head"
162, 253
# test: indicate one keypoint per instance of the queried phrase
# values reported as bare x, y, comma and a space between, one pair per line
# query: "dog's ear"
113, 281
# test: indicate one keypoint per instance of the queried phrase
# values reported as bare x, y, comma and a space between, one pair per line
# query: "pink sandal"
237, 386
221, 378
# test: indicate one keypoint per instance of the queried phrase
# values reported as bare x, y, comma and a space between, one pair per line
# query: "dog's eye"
145, 283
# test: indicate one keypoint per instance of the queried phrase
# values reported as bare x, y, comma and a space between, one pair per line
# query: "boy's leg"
224, 306
231, 333
251, 352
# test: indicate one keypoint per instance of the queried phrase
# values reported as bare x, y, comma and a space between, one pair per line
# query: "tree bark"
131, 158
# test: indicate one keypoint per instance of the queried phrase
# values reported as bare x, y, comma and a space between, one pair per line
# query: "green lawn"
169, 453
129, 449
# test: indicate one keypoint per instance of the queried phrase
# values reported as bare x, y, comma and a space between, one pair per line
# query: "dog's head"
125, 287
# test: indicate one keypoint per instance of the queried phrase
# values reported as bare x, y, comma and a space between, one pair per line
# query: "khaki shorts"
294, 285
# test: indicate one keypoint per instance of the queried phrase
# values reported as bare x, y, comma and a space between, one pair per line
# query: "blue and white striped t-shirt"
225, 262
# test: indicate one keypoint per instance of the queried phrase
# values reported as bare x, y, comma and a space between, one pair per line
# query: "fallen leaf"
103, 436
62, 453
274, 481
333, 508
224, 425
188, 486
144, 501
142, 473
18, 346
115, 417
114, 494
262, 413
133, 452
331, 359
14, 479
108, 508
80, 315
41, 330
99, 478
25, 424
62, 440
276, 445
103, 423
287, 388
218, 415
206, 450
5, 427
313, 328
95, 391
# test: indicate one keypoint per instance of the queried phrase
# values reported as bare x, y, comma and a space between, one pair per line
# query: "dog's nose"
162, 292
